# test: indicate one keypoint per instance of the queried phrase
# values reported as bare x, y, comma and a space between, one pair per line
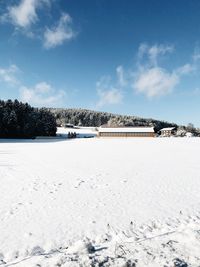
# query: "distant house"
189, 134
126, 132
167, 132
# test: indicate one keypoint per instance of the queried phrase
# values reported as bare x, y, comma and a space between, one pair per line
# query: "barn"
126, 132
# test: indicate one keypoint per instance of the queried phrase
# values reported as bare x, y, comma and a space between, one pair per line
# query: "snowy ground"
100, 202
81, 132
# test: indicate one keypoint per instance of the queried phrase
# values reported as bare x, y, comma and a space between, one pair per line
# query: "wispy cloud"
148, 76
152, 53
24, 14
153, 80
107, 93
109, 97
196, 54
186, 69
42, 94
9, 75
121, 76
59, 33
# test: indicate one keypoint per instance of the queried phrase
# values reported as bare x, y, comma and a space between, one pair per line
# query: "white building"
188, 134
169, 131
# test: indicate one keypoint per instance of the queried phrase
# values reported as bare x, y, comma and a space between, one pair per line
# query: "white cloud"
8, 75
153, 52
109, 97
108, 94
186, 69
155, 82
43, 87
148, 77
60, 33
143, 49
42, 94
120, 75
24, 14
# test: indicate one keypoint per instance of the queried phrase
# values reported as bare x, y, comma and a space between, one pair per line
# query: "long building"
126, 132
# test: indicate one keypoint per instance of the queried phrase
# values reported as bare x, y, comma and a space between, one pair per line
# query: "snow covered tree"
21, 120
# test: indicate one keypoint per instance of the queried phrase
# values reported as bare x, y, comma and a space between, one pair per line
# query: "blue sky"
134, 57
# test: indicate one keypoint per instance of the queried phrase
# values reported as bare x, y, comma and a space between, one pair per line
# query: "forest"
20, 120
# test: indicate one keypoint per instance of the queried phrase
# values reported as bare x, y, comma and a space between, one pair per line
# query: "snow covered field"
100, 202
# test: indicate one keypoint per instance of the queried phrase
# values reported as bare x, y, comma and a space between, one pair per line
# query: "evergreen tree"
19, 120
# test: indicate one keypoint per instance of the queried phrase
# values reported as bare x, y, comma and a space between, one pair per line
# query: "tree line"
20, 120
84, 117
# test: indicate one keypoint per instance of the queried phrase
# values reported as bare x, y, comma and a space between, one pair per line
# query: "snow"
168, 129
84, 202
81, 132
126, 130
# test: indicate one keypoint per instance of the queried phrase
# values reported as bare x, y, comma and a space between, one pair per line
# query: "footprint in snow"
37, 250
2, 259
79, 184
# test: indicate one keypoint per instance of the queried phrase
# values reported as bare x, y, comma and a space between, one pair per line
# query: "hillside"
84, 117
